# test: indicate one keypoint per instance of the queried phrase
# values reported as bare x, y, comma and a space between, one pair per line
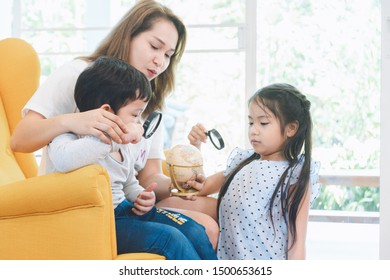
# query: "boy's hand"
145, 200
134, 133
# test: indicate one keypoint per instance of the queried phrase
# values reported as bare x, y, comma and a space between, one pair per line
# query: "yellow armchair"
55, 216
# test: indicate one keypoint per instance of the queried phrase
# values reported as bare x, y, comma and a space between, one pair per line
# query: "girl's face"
151, 51
264, 133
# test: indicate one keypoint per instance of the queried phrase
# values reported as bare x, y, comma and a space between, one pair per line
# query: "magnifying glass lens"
151, 124
216, 139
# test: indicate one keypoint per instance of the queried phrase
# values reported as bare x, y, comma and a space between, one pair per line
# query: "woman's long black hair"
289, 105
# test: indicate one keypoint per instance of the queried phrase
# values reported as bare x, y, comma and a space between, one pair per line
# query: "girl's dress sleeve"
235, 158
314, 180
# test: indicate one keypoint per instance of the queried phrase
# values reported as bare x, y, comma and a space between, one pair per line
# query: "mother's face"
151, 50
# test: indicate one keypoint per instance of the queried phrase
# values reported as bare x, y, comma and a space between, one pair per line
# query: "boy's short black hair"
112, 81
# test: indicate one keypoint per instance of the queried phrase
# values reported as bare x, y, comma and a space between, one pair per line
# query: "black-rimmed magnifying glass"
216, 139
151, 124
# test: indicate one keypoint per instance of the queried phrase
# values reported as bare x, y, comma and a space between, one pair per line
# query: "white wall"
384, 250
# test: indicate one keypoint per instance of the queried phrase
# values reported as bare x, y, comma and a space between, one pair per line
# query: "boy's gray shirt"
69, 151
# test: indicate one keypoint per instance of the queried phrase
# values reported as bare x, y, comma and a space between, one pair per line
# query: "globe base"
176, 192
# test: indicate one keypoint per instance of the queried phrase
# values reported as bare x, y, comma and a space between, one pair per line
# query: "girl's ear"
106, 107
292, 128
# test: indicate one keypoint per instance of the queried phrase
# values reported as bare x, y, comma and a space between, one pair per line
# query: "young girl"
115, 86
265, 192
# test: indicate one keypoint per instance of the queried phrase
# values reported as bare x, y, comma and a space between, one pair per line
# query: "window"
331, 50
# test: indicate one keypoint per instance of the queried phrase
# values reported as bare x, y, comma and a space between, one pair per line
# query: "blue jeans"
167, 233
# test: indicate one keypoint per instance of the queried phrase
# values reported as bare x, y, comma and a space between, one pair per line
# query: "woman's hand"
145, 200
100, 123
197, 135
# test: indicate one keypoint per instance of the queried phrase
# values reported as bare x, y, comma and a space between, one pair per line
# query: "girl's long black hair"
289, 105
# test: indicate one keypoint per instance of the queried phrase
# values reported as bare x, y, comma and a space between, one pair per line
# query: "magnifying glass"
216, 139
151, 124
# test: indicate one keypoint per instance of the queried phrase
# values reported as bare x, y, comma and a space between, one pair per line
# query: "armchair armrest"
58, 216
55, 192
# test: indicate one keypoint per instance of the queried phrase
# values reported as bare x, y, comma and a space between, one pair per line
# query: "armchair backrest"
19, 78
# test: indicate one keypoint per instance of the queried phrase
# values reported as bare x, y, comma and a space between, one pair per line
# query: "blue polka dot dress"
246, 231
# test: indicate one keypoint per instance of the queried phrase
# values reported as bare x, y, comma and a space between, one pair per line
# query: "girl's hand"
100, 123
196, 184
145, 200
197, 135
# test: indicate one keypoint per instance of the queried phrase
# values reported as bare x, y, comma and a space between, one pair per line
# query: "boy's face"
131, 112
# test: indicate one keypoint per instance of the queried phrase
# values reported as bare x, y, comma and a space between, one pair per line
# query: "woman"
152, 39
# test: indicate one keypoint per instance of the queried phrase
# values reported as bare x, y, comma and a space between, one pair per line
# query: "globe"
184, 162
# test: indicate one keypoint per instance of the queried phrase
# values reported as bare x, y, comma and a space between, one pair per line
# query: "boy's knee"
173, 235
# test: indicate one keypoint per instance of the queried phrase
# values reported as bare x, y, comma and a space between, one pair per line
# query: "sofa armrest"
58, 216
55, 192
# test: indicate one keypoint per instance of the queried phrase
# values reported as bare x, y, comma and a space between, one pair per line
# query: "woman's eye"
169, 54
264, 123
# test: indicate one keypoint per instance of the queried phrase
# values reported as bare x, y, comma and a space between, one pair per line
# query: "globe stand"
181, 188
